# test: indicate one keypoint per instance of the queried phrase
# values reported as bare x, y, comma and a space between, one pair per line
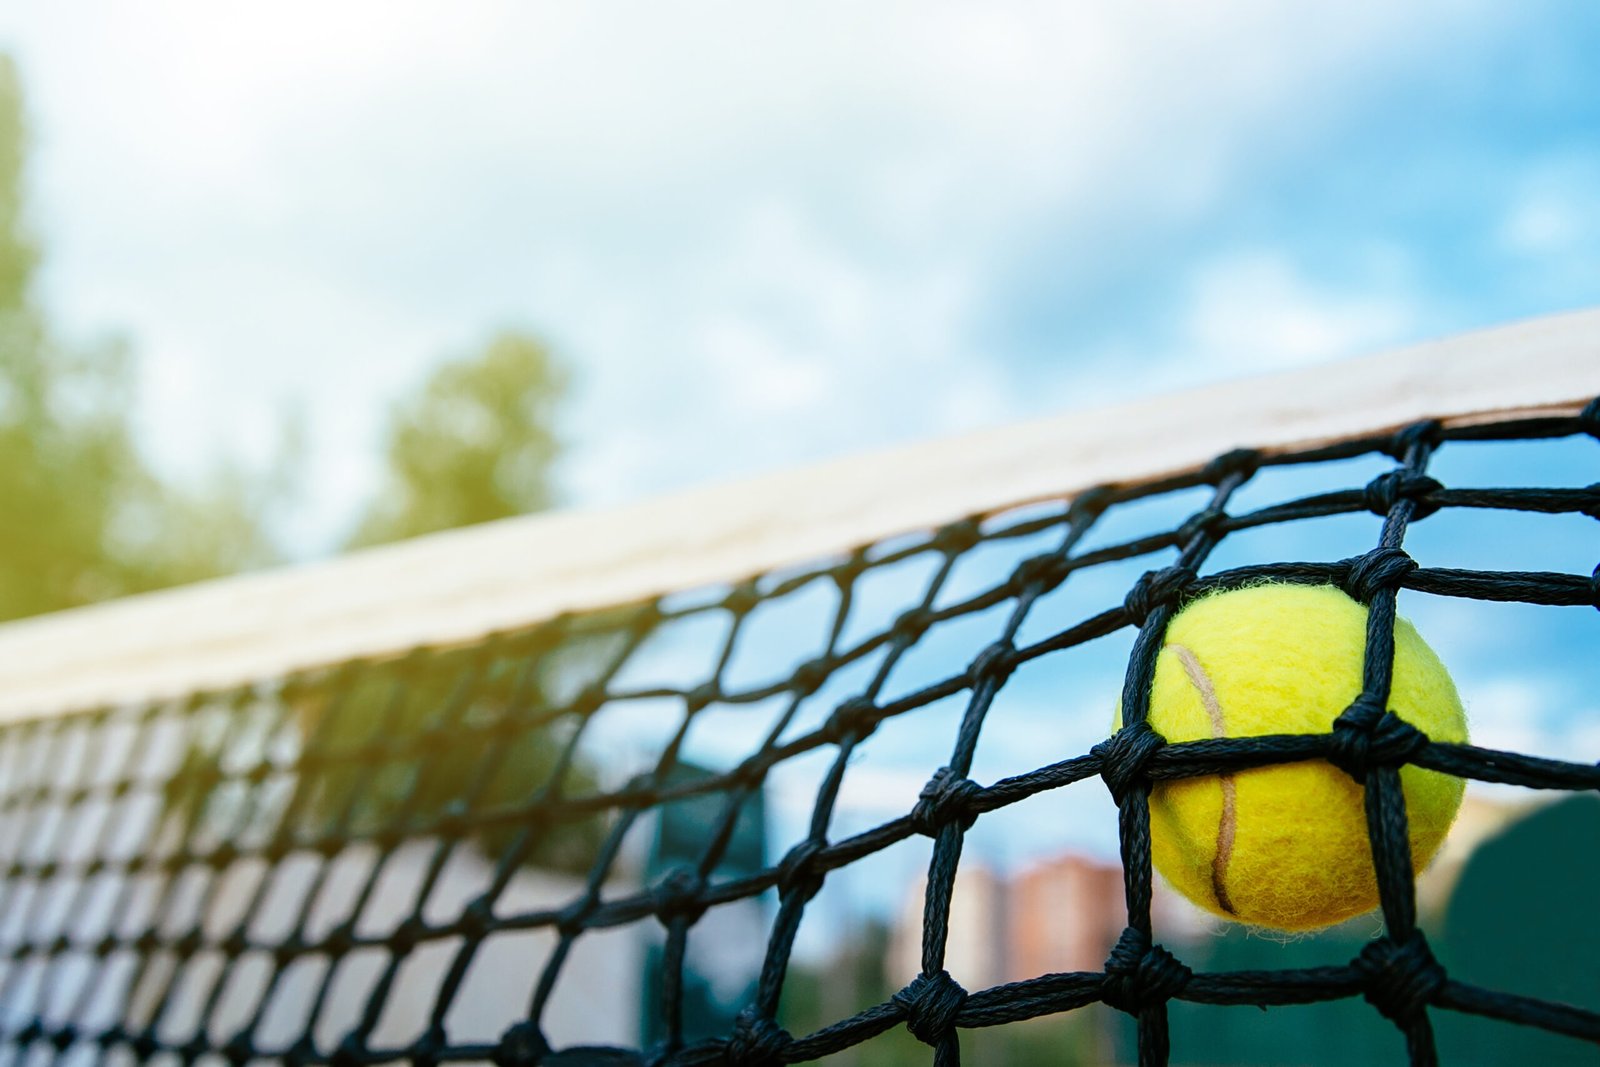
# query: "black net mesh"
341, 866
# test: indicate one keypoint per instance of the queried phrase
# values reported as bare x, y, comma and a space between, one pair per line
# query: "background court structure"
245, 675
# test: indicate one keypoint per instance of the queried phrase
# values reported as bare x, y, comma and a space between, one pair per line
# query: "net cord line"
461, 587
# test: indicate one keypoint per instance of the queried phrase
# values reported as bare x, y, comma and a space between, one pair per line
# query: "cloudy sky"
761, 234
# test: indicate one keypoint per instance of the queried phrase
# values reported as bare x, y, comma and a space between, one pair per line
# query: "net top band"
458, 587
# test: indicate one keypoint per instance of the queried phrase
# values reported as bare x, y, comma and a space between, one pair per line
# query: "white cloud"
764, 233
1256, 311
1535, 716
1554, 210
1508, 713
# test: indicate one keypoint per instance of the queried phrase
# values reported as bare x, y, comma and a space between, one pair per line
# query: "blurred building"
1062, 914
1065, 915
977, 948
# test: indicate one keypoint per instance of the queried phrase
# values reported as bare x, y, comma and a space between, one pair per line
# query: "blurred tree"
474, 444
84, 518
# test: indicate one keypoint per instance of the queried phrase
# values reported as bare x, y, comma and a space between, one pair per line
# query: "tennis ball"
1286, 846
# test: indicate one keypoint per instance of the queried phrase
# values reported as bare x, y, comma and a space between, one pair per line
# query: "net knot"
702, 696
946, 798
742, 599
477, 918
523, 1045
958, 537
1124, 754
1367, 736
348, 1052
340, 941
809, 676
1428, 432
995, 663
238, 1049
1402, 977
1155, 589
1391, 487
1589, 419
401, 940
757, 1041
1592, 508
283, 953
912, 624
1089, 504
301, 1051
590, 699
797, 872
931, 1003
427, 1050
678, 896
1043, 572
570, 919
1140, 974
1204, 521
1376, 571
856, 717
1241, 461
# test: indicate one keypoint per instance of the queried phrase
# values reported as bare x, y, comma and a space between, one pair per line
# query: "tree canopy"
475, 443
87, 518
84, 517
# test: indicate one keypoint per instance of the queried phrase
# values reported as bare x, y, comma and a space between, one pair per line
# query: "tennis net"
341, 815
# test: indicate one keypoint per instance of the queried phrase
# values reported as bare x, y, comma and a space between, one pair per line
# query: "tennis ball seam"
1227, 823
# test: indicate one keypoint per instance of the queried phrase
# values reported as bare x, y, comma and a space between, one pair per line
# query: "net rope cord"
100, 818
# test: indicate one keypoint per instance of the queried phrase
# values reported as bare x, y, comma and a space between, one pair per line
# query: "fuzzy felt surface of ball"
1286, 846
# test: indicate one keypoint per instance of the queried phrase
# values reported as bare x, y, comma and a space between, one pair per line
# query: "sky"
761, 235
803, 230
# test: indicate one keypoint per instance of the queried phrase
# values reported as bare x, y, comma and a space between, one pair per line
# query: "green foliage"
18, 253
474, 444
1522, 921
462, 745
451, 735
84, 518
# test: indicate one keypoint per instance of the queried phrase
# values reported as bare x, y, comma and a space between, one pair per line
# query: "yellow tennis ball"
1286, 846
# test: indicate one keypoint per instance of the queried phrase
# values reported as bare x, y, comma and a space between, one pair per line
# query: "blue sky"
765, 234
803, 230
